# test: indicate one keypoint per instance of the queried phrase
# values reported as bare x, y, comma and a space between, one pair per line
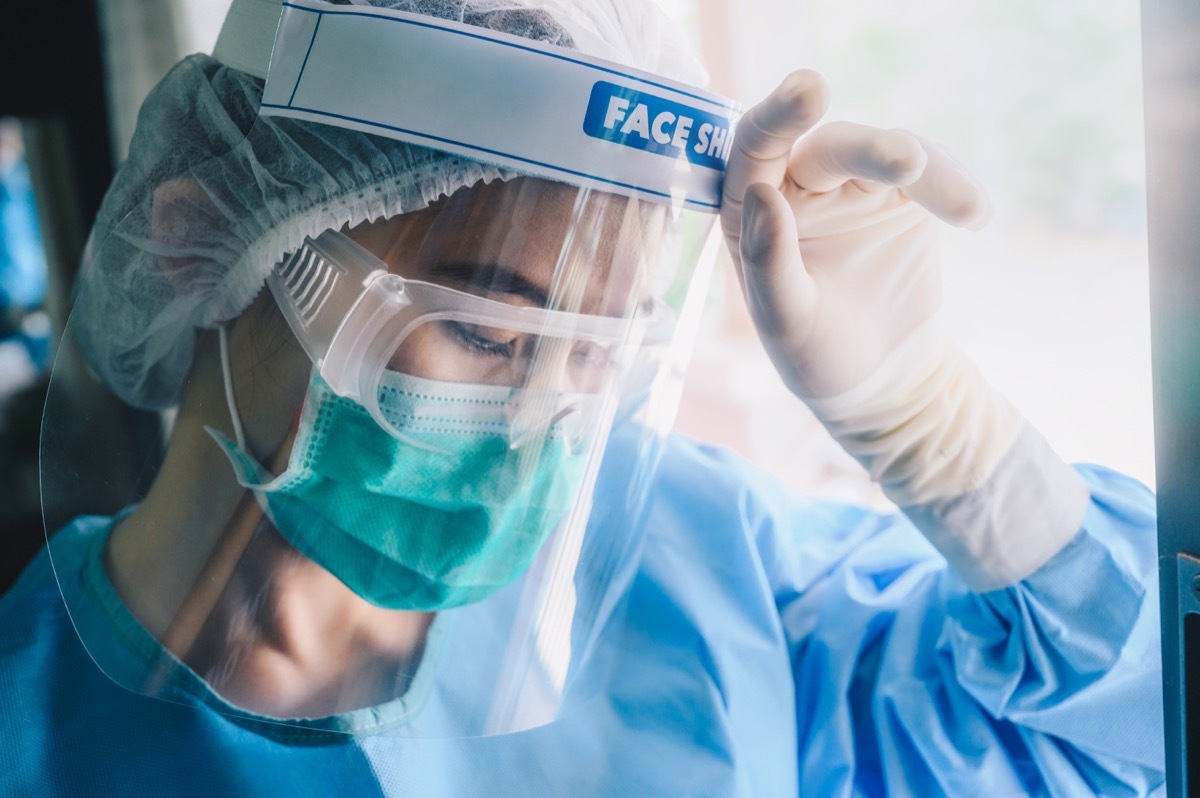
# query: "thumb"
780, 294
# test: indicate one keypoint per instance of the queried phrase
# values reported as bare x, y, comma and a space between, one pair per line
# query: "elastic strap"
227, 378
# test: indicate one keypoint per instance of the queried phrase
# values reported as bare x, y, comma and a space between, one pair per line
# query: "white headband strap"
489, 96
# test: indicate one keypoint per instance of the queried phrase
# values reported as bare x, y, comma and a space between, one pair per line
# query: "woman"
419, 528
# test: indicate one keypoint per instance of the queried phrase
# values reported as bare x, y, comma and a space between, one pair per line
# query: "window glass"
1042, 100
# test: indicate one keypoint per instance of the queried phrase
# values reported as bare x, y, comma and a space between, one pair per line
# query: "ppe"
354, 319
351, 497
837, 238
490, 263
774, 645
214, 194
724, 638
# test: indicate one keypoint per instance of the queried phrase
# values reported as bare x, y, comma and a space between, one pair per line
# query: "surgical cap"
213, 195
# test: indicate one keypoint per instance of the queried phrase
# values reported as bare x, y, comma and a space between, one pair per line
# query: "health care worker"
420, 528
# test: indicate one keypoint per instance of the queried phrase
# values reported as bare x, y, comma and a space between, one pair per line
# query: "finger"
780, 294
765, 136
949, 191
841, 151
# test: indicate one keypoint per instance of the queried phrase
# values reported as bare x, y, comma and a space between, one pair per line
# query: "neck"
205, 572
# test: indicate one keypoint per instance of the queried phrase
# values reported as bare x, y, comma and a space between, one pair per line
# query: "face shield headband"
544, 110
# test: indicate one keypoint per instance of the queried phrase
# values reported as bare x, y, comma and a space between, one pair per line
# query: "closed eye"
487, 341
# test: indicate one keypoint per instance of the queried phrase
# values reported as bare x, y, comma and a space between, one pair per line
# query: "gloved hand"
834, 232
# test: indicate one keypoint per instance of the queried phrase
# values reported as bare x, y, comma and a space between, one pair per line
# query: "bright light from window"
1042, 99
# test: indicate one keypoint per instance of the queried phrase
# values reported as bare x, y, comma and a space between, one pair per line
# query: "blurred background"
1041, 99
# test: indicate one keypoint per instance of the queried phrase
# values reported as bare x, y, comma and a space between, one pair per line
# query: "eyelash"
476, 343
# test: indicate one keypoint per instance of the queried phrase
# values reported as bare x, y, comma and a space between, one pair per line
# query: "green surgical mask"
444, 516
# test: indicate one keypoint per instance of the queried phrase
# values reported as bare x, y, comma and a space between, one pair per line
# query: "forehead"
585, 250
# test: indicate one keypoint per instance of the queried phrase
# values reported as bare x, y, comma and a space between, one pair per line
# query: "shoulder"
717, 484
32, 612
36, 631
32, 602
723, 504
712, 480
39, 655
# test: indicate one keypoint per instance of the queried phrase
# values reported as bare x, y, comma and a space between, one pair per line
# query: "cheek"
429, 353
418, 356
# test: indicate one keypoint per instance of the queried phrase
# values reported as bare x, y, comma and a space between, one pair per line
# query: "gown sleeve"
909, 682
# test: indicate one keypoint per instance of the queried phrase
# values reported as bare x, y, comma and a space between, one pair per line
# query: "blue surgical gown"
773, 645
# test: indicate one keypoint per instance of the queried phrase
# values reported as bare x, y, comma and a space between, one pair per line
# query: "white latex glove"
835, 236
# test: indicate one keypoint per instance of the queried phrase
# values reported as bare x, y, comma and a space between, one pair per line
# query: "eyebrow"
491, 279
488, 278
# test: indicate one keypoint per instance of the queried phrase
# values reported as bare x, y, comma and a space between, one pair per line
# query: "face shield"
454, 510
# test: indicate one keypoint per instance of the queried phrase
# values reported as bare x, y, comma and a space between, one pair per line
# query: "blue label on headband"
646, 122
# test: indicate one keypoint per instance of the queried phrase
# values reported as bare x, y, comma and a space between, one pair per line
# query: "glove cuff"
1028, 510
958, 458
926, 425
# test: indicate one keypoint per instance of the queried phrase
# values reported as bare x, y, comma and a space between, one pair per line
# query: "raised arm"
1030, 663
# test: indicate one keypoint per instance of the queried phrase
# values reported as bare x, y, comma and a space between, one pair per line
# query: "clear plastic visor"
424, 527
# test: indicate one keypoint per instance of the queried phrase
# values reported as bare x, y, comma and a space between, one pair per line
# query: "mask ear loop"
227, 377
